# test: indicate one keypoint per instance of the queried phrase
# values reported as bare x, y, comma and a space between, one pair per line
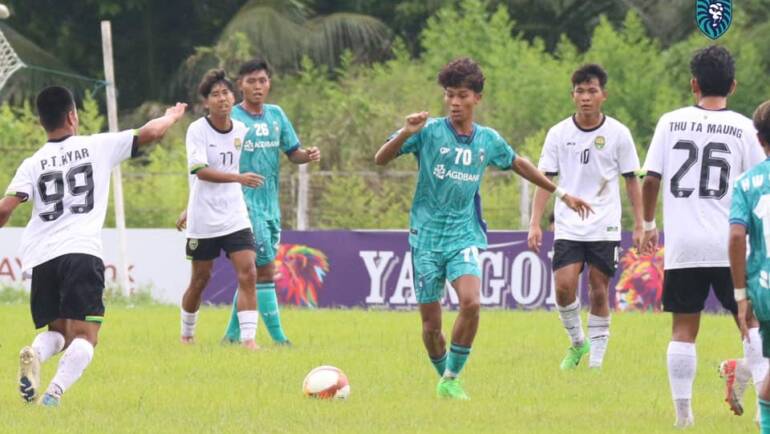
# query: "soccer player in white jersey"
588, 151
696, 154
217, 218
67, 180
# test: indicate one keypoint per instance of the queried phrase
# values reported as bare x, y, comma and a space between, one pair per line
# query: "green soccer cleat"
574, 354
451, 388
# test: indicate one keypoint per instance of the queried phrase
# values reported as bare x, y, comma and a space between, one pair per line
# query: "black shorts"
68, 287
601, 254
207, 249
685, 290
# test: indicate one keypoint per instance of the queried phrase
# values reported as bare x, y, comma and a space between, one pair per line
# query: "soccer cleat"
187, 340
286, 343
49, 400
574, 354
29, 374
451, 388
251, 345
734, 386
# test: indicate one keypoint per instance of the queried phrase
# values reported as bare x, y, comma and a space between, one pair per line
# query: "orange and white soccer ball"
326, 382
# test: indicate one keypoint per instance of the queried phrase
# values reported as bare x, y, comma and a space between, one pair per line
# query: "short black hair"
714, 69
463, 72
585, 73
254, 65
53, 103
212, 78
762, 121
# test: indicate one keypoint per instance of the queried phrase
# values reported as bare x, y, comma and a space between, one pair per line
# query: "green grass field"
143, 380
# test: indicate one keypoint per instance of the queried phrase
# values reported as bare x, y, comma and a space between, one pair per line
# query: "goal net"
9, 60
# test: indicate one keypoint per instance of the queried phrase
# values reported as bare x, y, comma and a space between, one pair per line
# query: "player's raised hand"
251, 179
415, 121
181, 222
313, 153
578, 205
650, 242
535, 238
176, 112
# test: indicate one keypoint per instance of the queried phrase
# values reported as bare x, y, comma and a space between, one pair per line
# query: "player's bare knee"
470, 307
247, 277
266, 273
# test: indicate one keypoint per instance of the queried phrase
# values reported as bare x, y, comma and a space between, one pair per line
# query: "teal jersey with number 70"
751, 208
446, 210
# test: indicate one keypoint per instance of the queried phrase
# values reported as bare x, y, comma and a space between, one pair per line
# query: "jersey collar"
232, 125
711, 110
60, 139
250, 114
459, 137
588, 130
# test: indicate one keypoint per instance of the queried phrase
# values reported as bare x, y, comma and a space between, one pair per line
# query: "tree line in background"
349, 107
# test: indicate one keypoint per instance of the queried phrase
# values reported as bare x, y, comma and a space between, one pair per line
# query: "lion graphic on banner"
640, 286
300, 272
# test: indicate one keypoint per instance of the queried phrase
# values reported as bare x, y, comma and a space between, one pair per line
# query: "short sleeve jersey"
214, 209
269, 134
751, 208
589, 163
446, 210
68, 182
698, 154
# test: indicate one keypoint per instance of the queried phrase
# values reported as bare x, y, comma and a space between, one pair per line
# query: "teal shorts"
433, 269
267, 234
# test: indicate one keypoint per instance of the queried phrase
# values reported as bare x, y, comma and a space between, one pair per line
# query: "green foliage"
349, 109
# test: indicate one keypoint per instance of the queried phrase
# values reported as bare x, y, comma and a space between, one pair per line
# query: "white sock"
752, 352
248, 322
682, 362
570, 318
599, 333
71, 366
47, 344
188, 323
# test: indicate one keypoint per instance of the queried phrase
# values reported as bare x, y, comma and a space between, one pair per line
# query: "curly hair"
212, 78
762, 121
462, 72
714, 69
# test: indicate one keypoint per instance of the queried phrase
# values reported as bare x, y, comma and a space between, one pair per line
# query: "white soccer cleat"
736, 375
29, 374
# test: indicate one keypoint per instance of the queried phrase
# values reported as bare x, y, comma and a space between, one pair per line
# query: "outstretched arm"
305, 155
7, 205
528, 171
213, 175
156, 128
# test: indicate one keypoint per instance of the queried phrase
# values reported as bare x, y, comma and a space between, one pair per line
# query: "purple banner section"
373, 269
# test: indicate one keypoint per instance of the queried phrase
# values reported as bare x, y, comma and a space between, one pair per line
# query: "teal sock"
764, 416
233, 331
439, 363
268, 310
458, 355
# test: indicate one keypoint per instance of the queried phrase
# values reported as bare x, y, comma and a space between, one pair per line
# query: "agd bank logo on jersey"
713, 16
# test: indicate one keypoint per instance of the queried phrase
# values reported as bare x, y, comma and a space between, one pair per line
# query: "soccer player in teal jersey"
446, 229
750, 214
270, 134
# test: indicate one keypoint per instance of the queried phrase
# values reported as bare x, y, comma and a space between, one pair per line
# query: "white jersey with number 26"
699, 154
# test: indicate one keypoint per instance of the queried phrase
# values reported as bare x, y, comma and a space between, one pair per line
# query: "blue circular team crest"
713, 16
